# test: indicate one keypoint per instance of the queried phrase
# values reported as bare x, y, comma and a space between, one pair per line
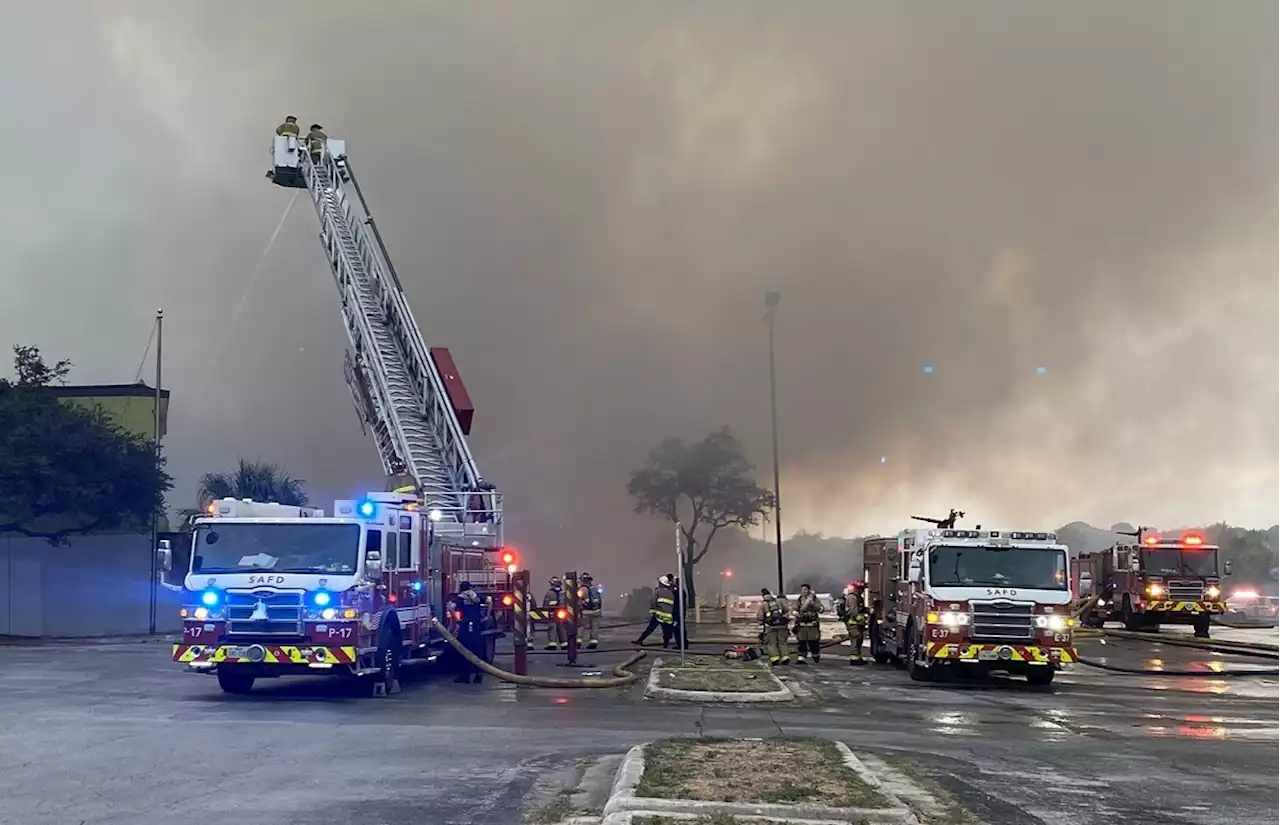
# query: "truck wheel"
232, 681
917, 672
1040, 676
1201, 626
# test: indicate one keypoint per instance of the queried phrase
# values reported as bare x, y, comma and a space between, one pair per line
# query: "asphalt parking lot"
115, 733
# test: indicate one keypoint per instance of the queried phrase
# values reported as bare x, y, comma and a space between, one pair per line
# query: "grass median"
716, 674
767, 771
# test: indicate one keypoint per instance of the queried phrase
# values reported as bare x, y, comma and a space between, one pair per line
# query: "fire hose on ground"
621, 676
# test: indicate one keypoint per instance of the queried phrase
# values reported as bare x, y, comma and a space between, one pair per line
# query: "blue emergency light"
209, 598
322, 598
366, 509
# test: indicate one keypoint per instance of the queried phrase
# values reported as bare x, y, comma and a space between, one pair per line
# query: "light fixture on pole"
771, 301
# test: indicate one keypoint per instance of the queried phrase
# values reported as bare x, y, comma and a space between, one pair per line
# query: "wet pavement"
118, 734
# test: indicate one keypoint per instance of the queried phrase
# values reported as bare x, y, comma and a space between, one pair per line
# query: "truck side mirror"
1226, 568
373, 564
913, 573
164, 556
1086, 586
1135, 565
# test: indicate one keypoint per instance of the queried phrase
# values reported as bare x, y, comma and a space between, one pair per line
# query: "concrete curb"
69, 641
653, 690
623, 800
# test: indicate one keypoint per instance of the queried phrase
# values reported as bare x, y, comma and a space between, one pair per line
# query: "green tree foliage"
65, 469
704, 487
258, 480
1252, 553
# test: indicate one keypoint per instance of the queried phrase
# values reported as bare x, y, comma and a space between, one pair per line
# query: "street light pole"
771, 300
155, 516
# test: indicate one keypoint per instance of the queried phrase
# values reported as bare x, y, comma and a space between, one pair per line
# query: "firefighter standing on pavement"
590, 601
852, 610
469, 612
808, 630
551, 604
662, 605
773, 623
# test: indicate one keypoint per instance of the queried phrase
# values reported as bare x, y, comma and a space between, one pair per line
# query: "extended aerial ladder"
402, 396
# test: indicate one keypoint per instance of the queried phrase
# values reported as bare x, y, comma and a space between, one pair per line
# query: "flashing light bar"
994, 534
1185, 540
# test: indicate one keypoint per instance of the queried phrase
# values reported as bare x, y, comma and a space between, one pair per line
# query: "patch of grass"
784, 770
738, 680
717, 818
955, 812
559, 808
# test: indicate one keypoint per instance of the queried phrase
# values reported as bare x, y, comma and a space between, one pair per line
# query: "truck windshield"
1174, 561
1015, 567
239, 547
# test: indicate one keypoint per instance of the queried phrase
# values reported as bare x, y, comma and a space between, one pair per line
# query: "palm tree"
257, 480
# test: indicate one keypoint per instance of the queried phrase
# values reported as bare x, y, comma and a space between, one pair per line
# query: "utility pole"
155, 516
771, 301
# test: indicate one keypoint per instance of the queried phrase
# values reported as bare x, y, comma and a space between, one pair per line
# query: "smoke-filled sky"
587, 203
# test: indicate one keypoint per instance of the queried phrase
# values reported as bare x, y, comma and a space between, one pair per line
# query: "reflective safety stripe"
405, 490
271, 654
996, 653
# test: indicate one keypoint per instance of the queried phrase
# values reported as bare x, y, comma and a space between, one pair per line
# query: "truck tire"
1040, 676
1201, 626
917, 672
233, 681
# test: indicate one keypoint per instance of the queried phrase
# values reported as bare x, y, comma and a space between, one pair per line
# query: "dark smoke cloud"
588, 206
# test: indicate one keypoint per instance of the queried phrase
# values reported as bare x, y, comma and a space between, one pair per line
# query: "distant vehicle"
973, 601
1160, 580
1248, 607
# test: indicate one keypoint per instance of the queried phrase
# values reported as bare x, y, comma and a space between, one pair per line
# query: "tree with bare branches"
704, 487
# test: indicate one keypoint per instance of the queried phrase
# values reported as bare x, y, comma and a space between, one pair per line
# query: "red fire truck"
274, 590
1159, 580
975, 600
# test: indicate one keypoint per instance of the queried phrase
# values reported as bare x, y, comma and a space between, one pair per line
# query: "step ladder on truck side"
408, 396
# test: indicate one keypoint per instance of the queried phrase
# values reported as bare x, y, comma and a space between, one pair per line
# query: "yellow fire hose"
621, 676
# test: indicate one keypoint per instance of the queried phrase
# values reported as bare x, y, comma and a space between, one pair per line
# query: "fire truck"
277, 589
977, 601
1159, 580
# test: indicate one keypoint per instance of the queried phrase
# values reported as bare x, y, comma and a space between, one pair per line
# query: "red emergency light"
507, 601
1193, 539
562, 614
1151, 540
508, 558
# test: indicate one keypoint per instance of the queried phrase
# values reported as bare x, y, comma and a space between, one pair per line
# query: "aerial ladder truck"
278, 590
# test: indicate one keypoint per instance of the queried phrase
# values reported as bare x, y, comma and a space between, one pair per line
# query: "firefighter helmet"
554, 581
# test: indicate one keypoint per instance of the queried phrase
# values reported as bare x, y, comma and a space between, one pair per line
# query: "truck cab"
274, 590
976, 601
1160, 580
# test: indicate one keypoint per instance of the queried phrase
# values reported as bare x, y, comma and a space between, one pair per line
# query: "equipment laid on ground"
981, 600
1159, 580
285, 588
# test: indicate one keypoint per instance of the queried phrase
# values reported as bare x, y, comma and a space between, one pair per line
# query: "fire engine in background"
275, 590
980, 600
1159, 580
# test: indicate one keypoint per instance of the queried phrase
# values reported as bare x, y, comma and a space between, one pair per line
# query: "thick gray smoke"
587, 204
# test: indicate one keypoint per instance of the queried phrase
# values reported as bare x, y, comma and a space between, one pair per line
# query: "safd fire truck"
275, 590
980, 600
1159, 580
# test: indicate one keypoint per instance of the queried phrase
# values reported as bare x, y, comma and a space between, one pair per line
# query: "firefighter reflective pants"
807, 636
589, 630
775, 644
555, 633
857, 629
